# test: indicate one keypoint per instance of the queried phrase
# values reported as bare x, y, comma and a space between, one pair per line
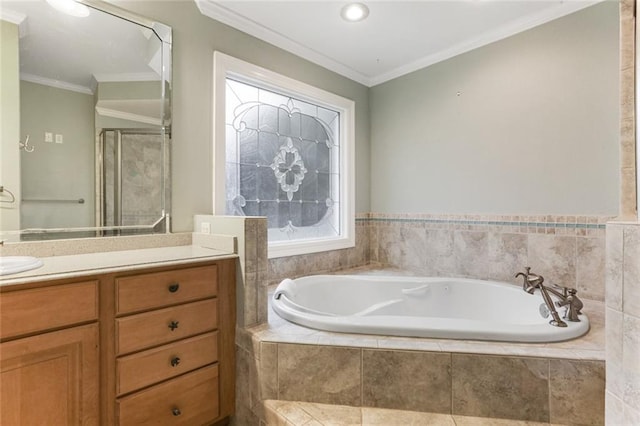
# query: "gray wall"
195, 38
526, 125
9, 127
57, 171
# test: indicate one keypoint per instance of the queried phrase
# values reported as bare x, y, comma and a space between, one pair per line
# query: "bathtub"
451, 308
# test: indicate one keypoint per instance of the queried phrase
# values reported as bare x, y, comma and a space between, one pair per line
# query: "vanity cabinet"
170, 351
49, 355
143, 346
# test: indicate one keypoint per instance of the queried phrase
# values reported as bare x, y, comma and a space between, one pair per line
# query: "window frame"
227, 66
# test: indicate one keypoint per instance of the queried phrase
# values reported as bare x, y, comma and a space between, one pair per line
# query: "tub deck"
591, 346
291, 368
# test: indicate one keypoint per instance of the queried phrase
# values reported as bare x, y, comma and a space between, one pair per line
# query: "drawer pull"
174, 287
176, 412
175, 361
173, 325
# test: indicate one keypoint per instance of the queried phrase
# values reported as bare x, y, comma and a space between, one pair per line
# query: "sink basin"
15, 264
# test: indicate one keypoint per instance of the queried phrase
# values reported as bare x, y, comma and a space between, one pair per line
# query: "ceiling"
397, 38
74, 53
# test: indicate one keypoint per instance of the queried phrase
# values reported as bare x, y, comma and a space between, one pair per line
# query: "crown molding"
123, 77
220, 13
56, 83
114, 113
500, 33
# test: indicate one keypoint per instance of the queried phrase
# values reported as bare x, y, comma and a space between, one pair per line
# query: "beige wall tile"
631, 361
268, 371
627, 143
628, 200
507, 255
319, 374
631, 271
613, 266
554, 257
631, 416
505, 387
471, 251
417, 381
439, 258
590, 270
248, 294
614, 410
614, 339
627, 43
243, 385
627, 94
569, 378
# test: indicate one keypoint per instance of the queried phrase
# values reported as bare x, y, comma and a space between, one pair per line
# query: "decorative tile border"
547, 224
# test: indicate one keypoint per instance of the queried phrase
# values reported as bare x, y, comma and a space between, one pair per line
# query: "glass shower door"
133, 188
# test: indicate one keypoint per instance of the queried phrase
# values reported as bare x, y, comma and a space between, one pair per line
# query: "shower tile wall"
141, 176
623, 324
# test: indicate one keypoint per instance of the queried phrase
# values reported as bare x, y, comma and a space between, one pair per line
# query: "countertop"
57, 267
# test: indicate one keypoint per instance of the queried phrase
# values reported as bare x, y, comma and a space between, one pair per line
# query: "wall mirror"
93, 132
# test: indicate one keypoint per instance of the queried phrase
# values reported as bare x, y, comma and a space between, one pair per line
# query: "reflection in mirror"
88, 153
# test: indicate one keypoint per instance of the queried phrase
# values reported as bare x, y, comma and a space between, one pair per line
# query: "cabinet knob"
173, 325
176, 412
175, 361
174, 287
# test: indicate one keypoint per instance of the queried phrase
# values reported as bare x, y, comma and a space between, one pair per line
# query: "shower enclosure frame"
162, 224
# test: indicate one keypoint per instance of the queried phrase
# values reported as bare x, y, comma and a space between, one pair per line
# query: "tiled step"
294, 413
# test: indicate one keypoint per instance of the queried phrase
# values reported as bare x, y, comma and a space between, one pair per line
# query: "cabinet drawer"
155, 365
29, 311
191, 399
160, 289
155, 328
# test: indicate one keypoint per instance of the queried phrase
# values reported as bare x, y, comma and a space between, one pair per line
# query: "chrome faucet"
533, 281
568, 298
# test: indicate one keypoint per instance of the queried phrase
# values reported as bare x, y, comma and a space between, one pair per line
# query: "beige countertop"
69, 266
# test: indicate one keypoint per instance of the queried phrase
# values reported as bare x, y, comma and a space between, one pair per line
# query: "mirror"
88, 153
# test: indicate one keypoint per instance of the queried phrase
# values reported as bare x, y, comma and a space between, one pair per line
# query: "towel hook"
25, 145
13, 197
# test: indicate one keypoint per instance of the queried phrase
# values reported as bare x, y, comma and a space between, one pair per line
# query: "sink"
15, 264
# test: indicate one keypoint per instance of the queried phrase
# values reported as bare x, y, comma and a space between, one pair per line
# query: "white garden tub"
451, 308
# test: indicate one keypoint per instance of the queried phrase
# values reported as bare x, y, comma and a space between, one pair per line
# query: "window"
283, 150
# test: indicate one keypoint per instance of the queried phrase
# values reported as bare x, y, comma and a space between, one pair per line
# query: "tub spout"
530, 281
533, 281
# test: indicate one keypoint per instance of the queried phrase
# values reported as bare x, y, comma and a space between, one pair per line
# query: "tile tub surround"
282, 361
623, 324
567, 250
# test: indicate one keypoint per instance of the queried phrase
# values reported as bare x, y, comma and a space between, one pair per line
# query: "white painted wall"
9, 126
526, 125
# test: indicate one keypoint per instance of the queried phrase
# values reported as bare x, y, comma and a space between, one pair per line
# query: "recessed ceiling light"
354, 12
70, 7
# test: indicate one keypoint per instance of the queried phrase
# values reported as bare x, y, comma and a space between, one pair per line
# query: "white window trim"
227, 66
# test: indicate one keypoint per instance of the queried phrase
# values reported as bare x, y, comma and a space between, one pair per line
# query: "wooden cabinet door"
50, 379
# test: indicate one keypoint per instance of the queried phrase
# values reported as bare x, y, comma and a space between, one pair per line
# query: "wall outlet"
48, 137
205, 228
58, 138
